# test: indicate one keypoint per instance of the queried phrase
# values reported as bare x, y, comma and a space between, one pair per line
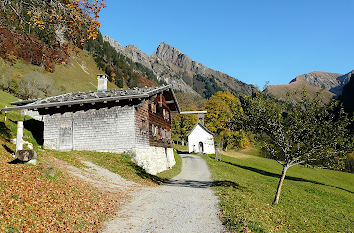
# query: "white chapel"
201, 140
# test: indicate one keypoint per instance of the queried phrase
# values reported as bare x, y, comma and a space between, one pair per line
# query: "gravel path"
185, 204
99, 177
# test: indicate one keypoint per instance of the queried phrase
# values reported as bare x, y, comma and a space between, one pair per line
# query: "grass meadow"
312, 200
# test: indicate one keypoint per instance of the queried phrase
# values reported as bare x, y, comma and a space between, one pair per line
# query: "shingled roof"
93, 97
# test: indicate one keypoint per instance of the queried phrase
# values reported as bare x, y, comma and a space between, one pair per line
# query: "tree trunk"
277, 195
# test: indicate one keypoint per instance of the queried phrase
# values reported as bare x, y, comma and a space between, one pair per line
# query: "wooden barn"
134, 120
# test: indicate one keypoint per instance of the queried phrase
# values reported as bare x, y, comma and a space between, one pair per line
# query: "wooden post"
160, 101
19, 139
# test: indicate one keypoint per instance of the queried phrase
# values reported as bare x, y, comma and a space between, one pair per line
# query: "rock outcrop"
174, 67
200, 77
130, 51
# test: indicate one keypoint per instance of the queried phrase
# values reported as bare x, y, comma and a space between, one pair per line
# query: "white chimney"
102, 82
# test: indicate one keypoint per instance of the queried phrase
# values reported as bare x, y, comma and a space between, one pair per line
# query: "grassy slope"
280, 91
117, 163
180, 147
8, 128
174, 171
78, 75
312, 200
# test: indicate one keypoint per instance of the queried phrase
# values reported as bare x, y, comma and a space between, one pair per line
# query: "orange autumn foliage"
33, 201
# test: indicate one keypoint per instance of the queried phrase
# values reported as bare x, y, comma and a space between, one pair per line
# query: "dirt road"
185, 204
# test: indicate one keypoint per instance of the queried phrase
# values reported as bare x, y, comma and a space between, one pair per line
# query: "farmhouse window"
156, 130
153, 107
166, 115
153, 130
143, 125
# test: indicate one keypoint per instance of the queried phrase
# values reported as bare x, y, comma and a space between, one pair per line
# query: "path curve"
185, 204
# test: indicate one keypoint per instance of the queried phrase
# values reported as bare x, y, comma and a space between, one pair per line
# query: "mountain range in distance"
330, 85
172, 66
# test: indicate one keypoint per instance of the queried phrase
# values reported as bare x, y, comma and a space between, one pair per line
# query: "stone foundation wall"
154, 159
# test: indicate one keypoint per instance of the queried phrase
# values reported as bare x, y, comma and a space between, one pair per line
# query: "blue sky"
254, 41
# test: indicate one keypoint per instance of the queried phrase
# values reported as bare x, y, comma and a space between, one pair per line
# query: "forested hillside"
43, 52
121, 70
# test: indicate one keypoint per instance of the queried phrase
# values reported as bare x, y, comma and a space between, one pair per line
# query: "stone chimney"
102, 82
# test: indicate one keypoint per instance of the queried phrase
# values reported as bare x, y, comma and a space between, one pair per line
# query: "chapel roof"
202, 126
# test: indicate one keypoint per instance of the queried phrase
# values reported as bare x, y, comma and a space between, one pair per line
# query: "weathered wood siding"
157, 119
142, 125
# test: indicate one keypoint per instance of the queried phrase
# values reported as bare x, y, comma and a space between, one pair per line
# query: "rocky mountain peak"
176, 68
130, 51
171, 54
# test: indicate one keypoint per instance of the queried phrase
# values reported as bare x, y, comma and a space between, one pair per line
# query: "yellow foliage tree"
221, 108
60, 21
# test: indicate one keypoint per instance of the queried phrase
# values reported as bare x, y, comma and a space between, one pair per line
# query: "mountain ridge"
333, 82
183, 73
330, 85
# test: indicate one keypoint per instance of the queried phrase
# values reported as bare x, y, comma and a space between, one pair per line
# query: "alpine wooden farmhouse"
134, 120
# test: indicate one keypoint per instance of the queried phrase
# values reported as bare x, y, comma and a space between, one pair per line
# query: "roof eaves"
163, 88
203, 127
73, 102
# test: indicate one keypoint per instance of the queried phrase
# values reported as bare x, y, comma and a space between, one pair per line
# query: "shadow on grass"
181, 183
8, 149
4, 131
16, 161
266, 173
182, 152
143, 174
36, 128
201, 184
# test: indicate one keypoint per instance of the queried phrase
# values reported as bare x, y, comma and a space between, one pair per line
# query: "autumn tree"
307, 132
182, 125
54, 21
221, 110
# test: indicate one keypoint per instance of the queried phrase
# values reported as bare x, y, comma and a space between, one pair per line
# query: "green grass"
8, 128
312, 200
118, 163
180, 147
80, 74
174, 171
